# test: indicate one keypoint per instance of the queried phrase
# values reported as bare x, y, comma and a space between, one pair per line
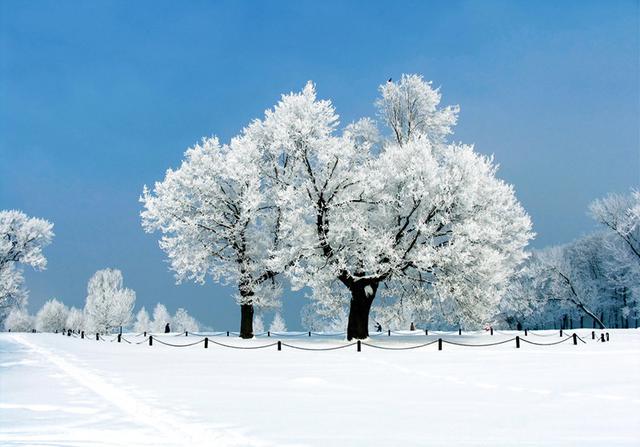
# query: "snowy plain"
66, 391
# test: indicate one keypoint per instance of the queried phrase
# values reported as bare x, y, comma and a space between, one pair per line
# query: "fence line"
205, 340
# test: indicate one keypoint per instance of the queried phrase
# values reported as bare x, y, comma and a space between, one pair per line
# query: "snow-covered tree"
19, 320
278, 324
52, 316
22, 239
108, 305
217, 220
325, 315
621, 215
425, 219
411, 108
258, 323
182, 322
13, 293
563, 279
161, 317
143, 322
75, 320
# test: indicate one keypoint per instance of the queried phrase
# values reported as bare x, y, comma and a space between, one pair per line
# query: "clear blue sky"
99, 98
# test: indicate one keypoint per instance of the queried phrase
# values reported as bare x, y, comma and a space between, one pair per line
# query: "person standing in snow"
167, 329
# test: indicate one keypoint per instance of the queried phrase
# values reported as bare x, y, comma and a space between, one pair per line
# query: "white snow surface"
65, 391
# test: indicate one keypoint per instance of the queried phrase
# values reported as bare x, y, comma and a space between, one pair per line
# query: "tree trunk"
362, 295
246, 320
592, 315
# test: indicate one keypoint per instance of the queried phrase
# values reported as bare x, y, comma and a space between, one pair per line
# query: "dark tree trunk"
359, 308
246, 320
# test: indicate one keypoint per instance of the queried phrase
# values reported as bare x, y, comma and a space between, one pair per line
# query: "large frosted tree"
109, 305
217, 220
22, 239
423, 219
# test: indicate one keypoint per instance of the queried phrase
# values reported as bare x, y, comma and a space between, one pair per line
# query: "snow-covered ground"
65, 391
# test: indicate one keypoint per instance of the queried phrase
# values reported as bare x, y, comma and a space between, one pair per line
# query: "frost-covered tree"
411, 108
22, 239
258, 323
563, 278
182, 322
325, 315
161, 317
19, 320
621, 215
52, 316
108, 305
521, 302
13, 293
422, 219
143, 322
75, 320
217, 221
278, 324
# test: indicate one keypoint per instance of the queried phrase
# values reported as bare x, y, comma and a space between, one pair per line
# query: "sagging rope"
404, 348
333, 348
547, 344
178, 346
243, 347
480, 345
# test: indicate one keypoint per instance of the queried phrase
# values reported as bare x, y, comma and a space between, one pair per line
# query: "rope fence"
359, 343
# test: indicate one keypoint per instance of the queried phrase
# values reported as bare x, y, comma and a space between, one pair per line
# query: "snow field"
66, 391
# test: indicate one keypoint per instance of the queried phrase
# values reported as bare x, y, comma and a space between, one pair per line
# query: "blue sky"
99, 98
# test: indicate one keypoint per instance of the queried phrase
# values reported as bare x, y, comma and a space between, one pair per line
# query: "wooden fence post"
560, 332
426, 332
206, 342
459, 331
97, 336
517, 341
593, 335
82, 334
279, 345
526, 333
575, 339
359, 346
150, 340
186, 333
389, 333
439, 344
491, 329
119, 337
